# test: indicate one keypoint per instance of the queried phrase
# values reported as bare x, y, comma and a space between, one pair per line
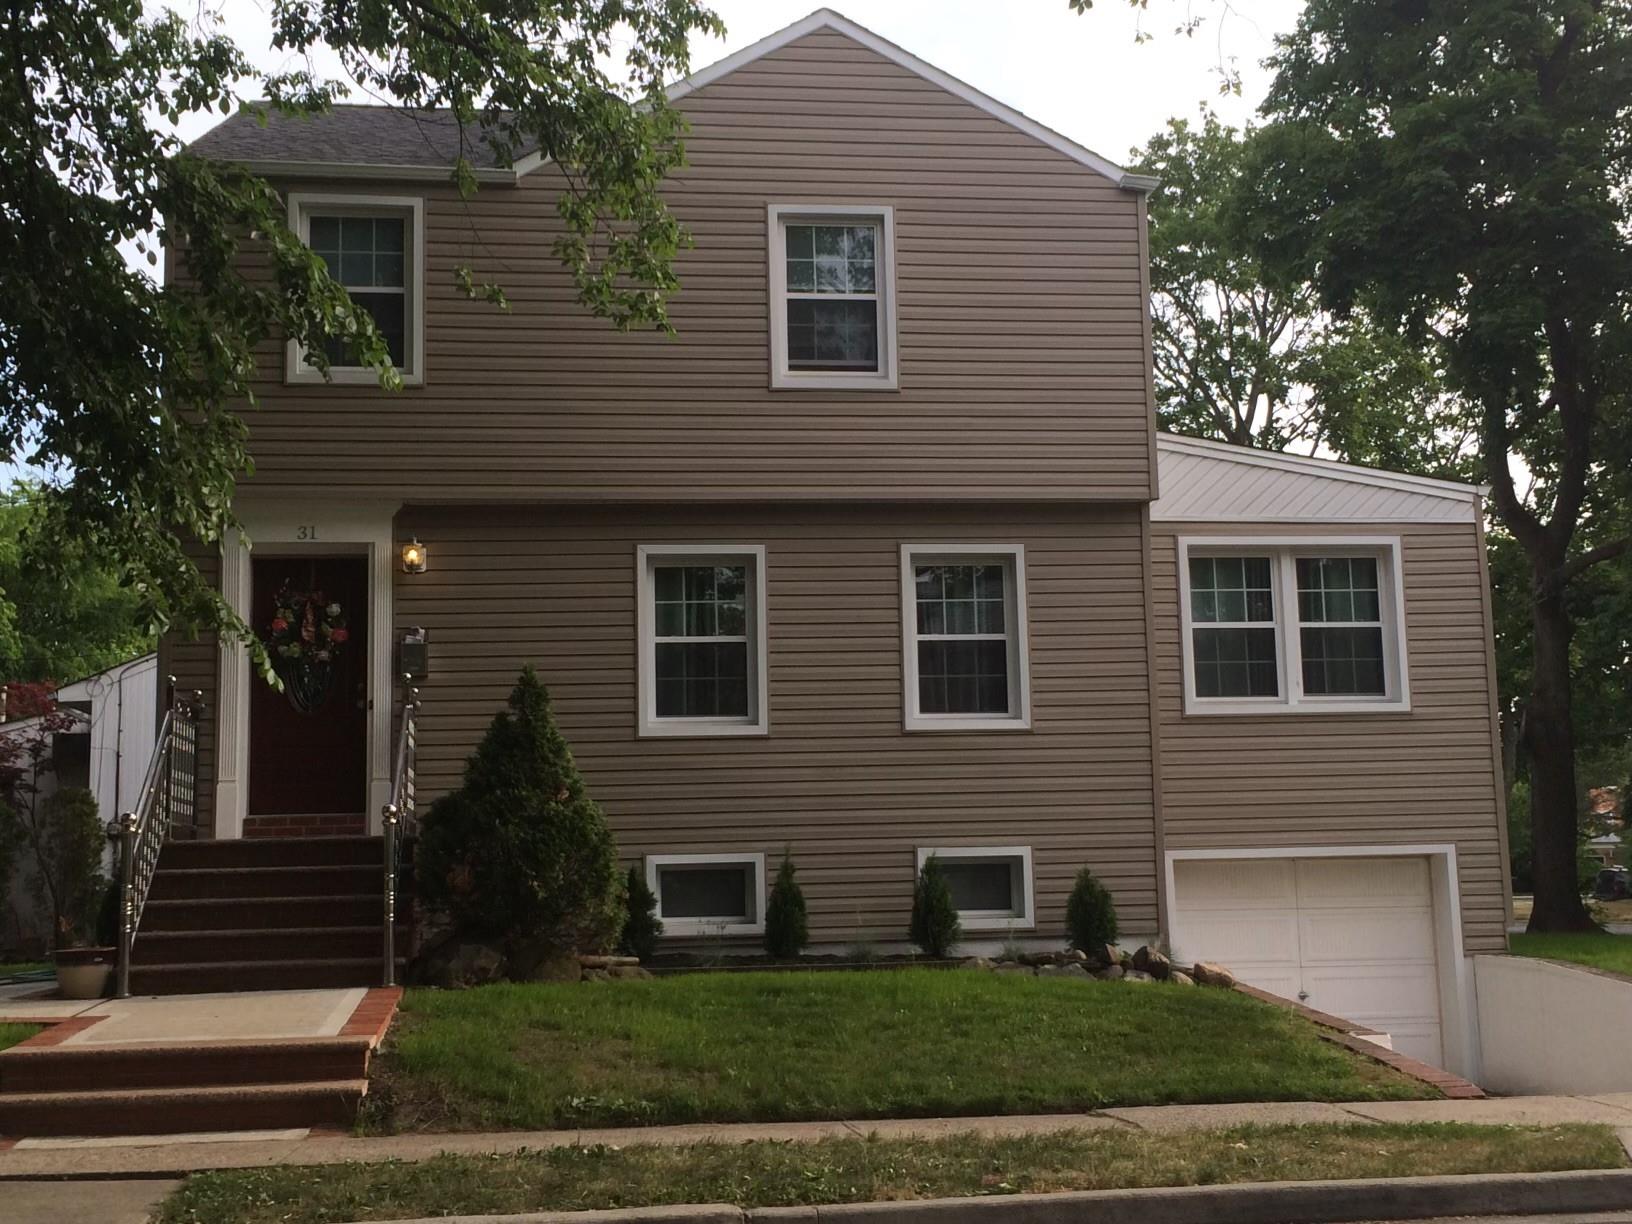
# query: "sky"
1084, 76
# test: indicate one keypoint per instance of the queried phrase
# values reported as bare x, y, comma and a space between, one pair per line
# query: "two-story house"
881, 556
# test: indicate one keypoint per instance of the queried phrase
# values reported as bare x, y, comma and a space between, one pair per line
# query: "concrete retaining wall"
1546, 1027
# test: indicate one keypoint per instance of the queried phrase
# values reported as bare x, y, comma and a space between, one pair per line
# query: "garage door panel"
1366, 935
1239, 937
1366, 992
1357, 935
1339, 882
1237, 883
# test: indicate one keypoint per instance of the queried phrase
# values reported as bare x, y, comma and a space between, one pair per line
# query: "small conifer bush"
520, 854
641, 925
787, 925
935, 927
1090, 914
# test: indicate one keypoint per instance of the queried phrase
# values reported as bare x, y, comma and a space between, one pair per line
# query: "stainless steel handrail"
167, 798
397, 821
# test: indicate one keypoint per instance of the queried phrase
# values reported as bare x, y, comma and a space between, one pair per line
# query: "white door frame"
284, 529
1456, 1014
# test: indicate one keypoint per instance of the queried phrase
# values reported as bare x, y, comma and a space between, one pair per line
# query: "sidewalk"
158, 1158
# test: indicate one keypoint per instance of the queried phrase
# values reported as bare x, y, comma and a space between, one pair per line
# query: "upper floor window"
1277, 625
964, 639
374, 247
702, 640
832, 297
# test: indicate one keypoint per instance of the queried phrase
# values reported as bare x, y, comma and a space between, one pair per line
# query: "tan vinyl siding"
1021, 324
1306, 779
837, 779
195, 663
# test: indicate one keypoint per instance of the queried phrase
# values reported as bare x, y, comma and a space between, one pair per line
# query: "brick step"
261, 913
274, 852
220, 977
91, 1068
243, 882
266, 944
161, 1111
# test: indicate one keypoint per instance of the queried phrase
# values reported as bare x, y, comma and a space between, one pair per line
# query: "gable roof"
827, 19
378, 141
1215, 482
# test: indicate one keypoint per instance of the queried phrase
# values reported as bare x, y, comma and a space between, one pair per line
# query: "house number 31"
306, 531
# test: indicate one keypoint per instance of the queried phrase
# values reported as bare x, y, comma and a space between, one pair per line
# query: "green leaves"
128, 387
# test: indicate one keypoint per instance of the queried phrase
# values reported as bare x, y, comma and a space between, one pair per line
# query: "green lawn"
867, 1169
11, 1034
1601, 951
791, 1046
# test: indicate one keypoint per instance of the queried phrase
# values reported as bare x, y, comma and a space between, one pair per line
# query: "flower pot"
83, 973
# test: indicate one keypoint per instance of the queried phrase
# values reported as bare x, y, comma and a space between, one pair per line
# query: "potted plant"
86, 953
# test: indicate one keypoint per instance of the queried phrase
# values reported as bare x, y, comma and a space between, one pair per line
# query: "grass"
849, 1170
12, 1034
1601, 951
12, 968
799, 1046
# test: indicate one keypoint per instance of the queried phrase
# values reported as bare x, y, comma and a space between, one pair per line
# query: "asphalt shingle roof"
350, 135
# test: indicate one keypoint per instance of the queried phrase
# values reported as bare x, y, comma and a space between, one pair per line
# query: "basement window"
708, 894
990, 885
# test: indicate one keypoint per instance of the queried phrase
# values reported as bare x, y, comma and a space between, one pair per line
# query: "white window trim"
992, 920
682, 927
885, 378
301, 206
1019, 716
1282, 551
758, 721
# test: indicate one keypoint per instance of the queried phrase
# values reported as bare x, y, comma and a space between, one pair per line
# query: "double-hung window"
964, 637
702, 639
832, 300
1272, 625
372, 246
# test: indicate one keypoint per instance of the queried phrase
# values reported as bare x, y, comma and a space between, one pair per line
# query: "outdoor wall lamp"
414, 556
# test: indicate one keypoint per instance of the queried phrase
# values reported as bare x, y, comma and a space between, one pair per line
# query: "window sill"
350, 376
995, 922
793, 381
693, 928
954, 723
698, 729
1206, 708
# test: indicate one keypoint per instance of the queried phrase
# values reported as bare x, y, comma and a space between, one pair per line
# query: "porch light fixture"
413, 557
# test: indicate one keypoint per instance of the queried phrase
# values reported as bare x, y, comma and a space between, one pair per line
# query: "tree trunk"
1549, 734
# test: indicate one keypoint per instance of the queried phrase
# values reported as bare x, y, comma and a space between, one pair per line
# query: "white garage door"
1350, 936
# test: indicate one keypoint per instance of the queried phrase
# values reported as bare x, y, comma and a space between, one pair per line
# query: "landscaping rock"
607, 962
1136, 975
1037, 959
1110, 973
1208, 974
555, 967
1148, 960
597, 975
979, 962
1181, 979
1075, 956
1012, 967
1072, 970
458, 964
628, 972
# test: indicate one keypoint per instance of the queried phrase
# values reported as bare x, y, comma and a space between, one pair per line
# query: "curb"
1323, 1202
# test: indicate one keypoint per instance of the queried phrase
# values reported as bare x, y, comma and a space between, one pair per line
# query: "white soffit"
1212, 482
827, 19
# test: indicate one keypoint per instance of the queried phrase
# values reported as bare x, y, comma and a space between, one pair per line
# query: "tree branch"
1580, 564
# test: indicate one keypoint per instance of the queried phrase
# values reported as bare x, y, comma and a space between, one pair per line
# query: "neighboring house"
881, 556
106, 750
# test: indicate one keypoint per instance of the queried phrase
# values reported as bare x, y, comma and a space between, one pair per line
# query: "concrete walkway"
148, 1158
193, 1019
80, 1202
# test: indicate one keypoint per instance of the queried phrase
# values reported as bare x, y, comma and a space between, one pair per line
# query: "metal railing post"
389, 817
127, 901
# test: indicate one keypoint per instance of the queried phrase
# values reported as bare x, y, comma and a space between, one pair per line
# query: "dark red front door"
308, 745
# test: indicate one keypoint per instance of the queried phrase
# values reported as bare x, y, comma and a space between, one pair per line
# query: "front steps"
277, 914
157, 1090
